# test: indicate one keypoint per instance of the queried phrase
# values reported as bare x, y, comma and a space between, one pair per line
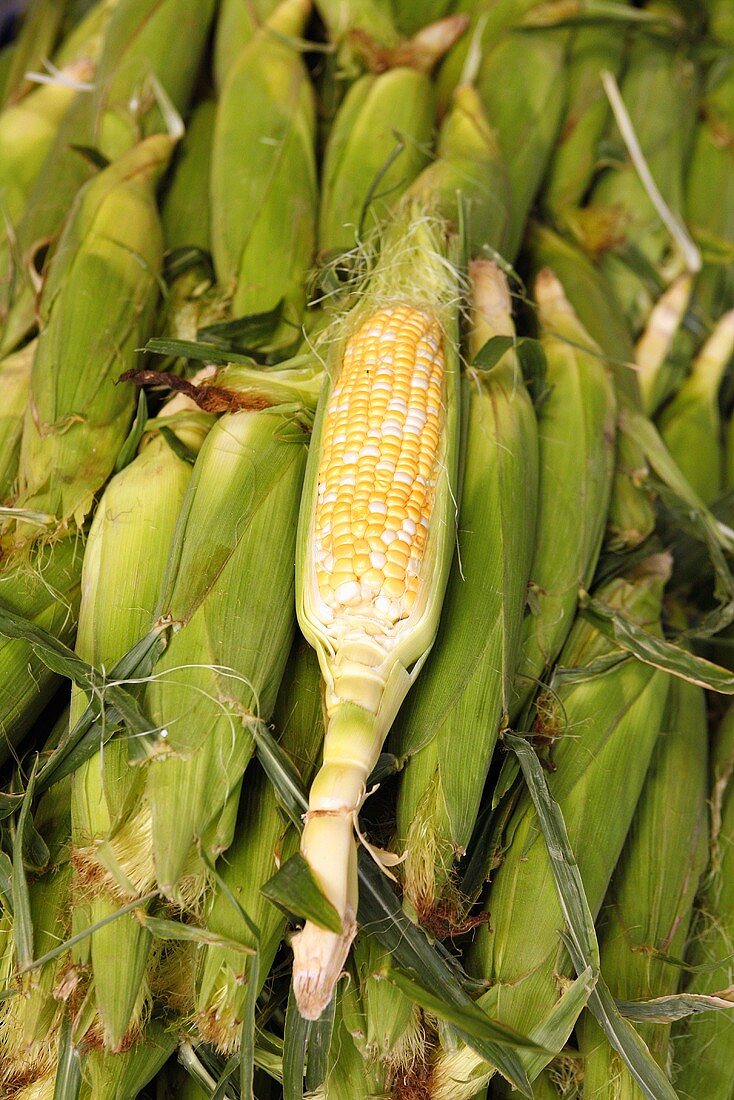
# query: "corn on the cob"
575, 158
185, 213
526, 114
375, 544
124, 563
576, 439
648, 907
263, 841
264, 208
381, 116
467, 683
468, 181
77, 418
592, 723
703, 1044
691, 424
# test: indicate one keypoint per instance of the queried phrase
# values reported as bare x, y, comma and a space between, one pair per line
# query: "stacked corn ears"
366, 550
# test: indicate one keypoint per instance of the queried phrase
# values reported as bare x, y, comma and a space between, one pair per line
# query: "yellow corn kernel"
378, 466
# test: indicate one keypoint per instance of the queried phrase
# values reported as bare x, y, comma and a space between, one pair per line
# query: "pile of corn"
367, 549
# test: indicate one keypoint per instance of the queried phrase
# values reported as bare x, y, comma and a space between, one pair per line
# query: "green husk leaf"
195, 349
295, 889
656, 651
319, 1043
664, 1010
294, 1050
580, 939
248, 1033
130, 447
22, 919
68, 1070
470, 1019
243, 332
164, 929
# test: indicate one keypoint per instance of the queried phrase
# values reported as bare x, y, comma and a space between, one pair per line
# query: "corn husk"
377, 145
46, 590
264, 206
185, 213
468, 181
690, 423
33, 44
603, 728
27, 131
522, 85
620, 212
124, 563
77, 419
576, 439
226, 657
263, 841
710, 190
631, 518
30, 1021
649, 904
123, 1076
237, 22
661, 336
576, 154
15, 381
142, 38
466, 685
703, 1044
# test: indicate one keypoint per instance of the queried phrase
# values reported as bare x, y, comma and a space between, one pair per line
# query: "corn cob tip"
318, 960
550, 295
491, 304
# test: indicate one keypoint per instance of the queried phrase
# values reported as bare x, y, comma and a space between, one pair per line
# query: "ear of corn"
468, 180
142, 37
27, 131
631, 518
575, 157
656, 72
522, 84
124, 564
703, 1044
710, 188
46, 590
84, 37
226, 658
466, 686
123, 1076
382, 467
111, 247
15, 380
648, 907
690, 423
381, 116
592, 723
146, 38
237, 22
29, 1021
576, 433
264, 208
263, 841
185, 214
33, 44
